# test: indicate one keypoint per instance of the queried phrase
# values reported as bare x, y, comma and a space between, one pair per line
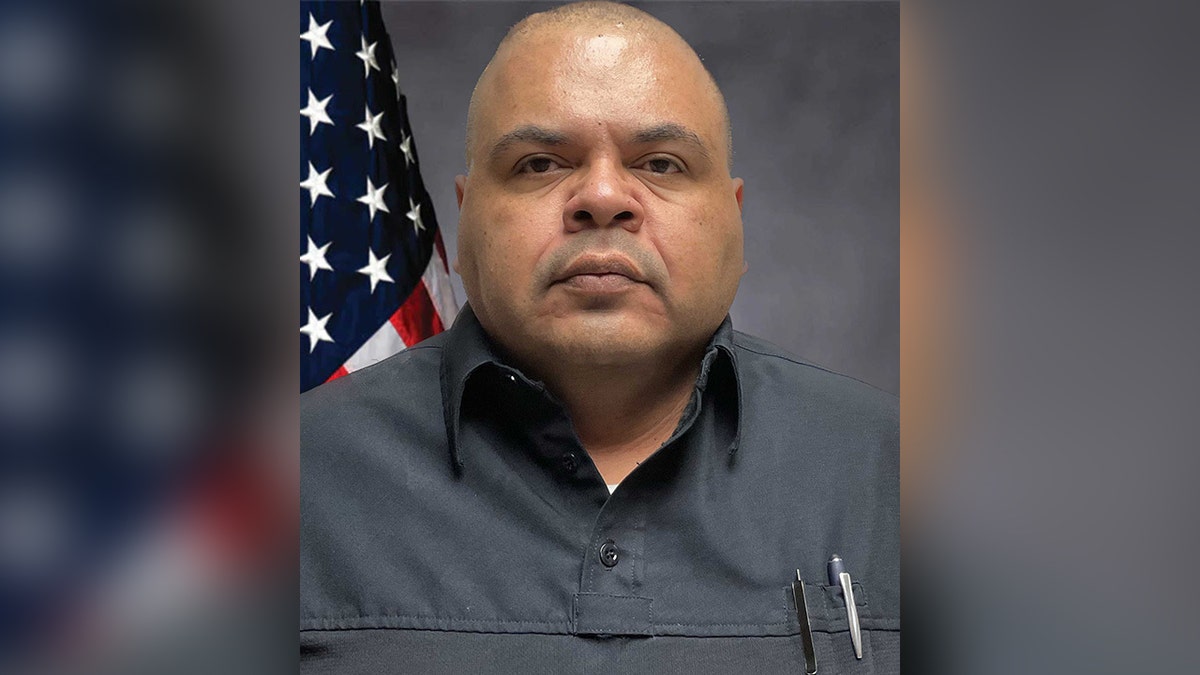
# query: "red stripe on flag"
341, 371
417, 319
441, 250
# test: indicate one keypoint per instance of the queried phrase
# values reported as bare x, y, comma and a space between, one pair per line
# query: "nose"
604, 197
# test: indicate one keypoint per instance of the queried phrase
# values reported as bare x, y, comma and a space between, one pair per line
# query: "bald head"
587, 17
597, 138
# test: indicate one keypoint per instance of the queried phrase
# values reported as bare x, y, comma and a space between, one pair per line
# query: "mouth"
600, 274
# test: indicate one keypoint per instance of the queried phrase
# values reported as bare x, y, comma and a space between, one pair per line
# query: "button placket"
613, 562
611, 597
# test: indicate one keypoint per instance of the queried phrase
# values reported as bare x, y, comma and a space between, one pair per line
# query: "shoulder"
793, 382
390, 409
409, 375
802, 414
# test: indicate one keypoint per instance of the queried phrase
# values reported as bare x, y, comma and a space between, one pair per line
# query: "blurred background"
1050, 323
146, 487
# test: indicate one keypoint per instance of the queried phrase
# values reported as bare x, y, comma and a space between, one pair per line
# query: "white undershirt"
612, 489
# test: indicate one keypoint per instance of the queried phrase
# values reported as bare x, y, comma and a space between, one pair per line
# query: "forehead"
609, 79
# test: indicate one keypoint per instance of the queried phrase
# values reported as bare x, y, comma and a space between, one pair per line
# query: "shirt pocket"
830, 631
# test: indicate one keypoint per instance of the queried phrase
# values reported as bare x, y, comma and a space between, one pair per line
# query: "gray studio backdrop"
813, 95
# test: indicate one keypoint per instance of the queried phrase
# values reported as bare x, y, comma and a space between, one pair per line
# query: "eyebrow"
531, 133
528, 133
670, 131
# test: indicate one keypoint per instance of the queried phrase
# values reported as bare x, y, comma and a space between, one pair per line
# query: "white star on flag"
315, 258
315, 330
373, 126
374, 199
414, 214
383, 288
367, 56
406, 148
315, 112
376, 269
316, 36
315, 183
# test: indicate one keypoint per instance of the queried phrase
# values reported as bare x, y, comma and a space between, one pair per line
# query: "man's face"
598, 222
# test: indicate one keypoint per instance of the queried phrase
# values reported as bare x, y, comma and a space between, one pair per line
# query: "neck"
623, 414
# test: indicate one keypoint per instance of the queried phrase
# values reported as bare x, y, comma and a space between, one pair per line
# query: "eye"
539, 164
662, 165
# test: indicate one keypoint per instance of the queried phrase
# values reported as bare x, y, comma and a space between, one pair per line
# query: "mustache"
647, 267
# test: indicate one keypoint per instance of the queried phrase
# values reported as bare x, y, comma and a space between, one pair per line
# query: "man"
591, 471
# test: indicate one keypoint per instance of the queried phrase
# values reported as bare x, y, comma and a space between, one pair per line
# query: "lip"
600, 266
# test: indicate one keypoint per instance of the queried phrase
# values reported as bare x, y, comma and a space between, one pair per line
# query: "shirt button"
570, 462
512, 378
608, 553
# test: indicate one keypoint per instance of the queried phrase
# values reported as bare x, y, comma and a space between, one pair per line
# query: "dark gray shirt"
452, 522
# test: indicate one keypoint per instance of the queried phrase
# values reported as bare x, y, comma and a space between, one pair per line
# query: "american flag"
373, 273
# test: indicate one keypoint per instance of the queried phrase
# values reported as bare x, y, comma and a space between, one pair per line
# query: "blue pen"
838, 576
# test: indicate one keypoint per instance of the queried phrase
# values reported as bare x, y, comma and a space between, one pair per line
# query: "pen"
810, 654
839, 576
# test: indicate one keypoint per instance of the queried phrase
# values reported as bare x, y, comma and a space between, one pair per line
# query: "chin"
596, 346
603, 355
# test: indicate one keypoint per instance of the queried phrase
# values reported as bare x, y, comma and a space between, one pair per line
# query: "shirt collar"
467, 348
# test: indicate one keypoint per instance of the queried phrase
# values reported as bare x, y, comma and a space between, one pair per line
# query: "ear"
460, 186
738, 184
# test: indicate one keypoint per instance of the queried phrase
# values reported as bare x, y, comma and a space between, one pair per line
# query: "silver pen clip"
838, 576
